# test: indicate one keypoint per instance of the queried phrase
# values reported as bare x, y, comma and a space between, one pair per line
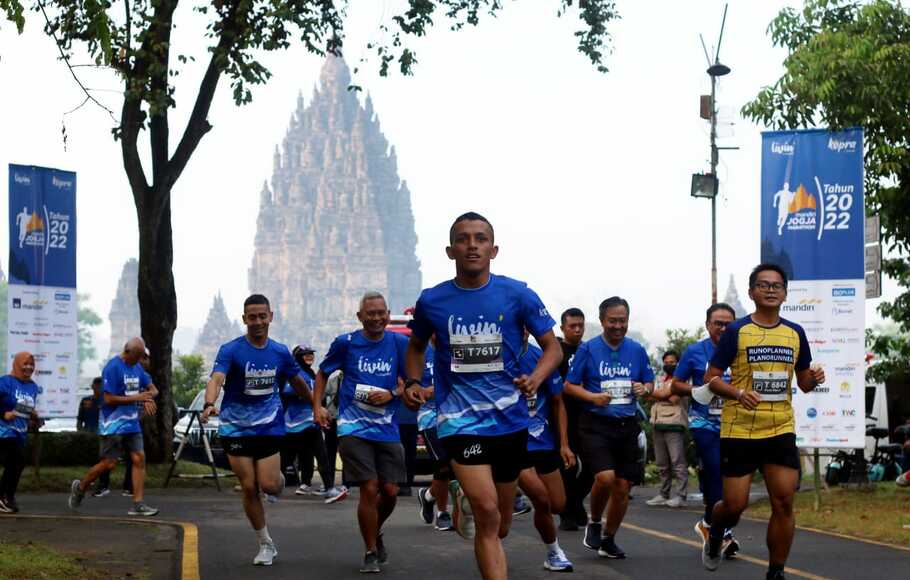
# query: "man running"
126, 385
478, 320
372, 361
763, 351
704, 418
540, 479
252, 370
608, 373
576, 480
433, 501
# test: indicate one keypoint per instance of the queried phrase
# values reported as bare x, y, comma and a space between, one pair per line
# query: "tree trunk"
158, 306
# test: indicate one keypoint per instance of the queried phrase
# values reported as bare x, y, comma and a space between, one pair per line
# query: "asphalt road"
319, 541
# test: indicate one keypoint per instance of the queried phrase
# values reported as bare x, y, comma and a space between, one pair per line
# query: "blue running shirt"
122, 380
298, 414
426, 417
253, 379
691, 368
367, 365
20, 397
541, 436
478, 342
598, 367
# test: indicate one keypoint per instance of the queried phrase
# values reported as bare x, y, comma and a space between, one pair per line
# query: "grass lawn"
58, 479
881, 513
36, 562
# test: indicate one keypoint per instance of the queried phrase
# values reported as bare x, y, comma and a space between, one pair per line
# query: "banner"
43, 307
812, 225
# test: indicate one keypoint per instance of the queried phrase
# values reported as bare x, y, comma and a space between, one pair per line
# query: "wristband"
207, 405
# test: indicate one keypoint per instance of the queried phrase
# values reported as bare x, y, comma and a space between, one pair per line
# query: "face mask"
668, 369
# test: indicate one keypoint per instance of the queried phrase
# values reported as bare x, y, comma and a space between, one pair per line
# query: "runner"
18, 397
478, 319
433, 501
763, 351
704, 418
252, 369
540, 479
126, 386
576, 480
372, 361
608, 373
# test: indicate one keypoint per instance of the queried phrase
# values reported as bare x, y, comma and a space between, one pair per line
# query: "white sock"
554, 547
263, 535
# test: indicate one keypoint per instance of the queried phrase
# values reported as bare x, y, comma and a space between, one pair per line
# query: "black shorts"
739, 457
611, 444
114, 446
505, 454
366, 460
543, 461
255, 446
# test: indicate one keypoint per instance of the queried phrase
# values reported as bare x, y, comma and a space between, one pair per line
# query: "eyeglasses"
720, 323
776, 286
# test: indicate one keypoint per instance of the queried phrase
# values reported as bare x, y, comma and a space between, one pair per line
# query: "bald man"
125, 386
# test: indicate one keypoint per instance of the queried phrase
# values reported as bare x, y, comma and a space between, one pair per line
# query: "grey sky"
584, 175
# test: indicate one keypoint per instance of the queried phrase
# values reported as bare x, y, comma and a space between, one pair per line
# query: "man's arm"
80, 417
579, 392
320, 414
142, 396
414, 364
562, 430
681, 387
301, 388
546, 365
212, 388
808, 379
715, 381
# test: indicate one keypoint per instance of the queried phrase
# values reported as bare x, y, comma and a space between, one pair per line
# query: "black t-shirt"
568, 351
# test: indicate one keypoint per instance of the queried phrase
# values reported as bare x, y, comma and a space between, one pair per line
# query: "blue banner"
42, 225
812, 210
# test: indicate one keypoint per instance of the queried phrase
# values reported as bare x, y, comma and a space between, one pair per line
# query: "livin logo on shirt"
611, 371
380, 367
458, 328
259, 377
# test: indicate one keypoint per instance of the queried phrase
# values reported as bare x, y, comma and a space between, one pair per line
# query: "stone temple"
218, 329
124, 314
335, 221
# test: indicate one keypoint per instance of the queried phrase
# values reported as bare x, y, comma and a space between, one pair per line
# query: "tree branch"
159, 132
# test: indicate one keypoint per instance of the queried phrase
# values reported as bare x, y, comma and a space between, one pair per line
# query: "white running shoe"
304, 489
268, 551
461, 514
676, 502
657, 500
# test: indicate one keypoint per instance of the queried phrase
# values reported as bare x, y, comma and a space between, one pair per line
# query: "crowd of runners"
556, 419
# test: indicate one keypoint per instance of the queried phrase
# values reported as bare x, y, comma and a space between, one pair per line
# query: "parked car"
194, 449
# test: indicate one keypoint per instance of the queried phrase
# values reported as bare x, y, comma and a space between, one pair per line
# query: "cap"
305, 349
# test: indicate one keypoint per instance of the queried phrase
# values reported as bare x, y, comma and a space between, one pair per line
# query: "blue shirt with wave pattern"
692, 367
298, 413
426, 417
367, 365
253, 379
122, 380
21, 397
596, 363
487, 402
541, 436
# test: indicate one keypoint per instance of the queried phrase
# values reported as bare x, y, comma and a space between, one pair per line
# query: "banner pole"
818, 479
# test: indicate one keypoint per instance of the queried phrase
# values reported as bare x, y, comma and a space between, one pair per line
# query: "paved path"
319, 541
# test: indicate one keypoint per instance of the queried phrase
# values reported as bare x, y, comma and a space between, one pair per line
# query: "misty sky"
584, 175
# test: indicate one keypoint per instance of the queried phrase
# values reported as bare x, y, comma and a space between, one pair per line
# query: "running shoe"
710, 562
778, 575
592, 536
76, 495
127, 493
461, 514
425, 505
703, 531
730, 546
444, 522
141, 509
522, 505
609, 549
381, 552
337, 493
676, 502
102, 492
657, 500
268, 551
304, 489
11, 505
557, 562
5, 507
318, 492
370, 563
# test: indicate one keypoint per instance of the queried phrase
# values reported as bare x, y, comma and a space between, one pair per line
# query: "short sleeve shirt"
21, 397
761, 359
479, 336
367, 365
121, 380
541, 429
426, 417
254, 378
600, 368
691, 368
298, 413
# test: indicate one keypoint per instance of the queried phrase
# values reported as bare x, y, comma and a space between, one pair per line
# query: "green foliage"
86, 318
892, 354
188, 377
849, 65
67, 448
678, 339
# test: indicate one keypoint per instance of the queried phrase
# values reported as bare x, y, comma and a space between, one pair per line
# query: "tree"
86, 319
892, 354
678, 339
849, 65
133, 39
189, 376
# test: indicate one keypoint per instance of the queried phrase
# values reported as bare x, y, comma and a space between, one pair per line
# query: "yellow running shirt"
761, 359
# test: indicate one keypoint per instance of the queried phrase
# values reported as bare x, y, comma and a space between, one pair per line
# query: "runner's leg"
138, 469
538, 493
388, 497
106, 464
268, 473
617, 505
781, 484
368, 513
477, 483
727, 511
245, 470
707, 445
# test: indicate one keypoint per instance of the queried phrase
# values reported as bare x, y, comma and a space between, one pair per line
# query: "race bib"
532, 405
362, 399
256, 388
716, 407
24, 408
476, 353
131, 385
771, 386
620, 391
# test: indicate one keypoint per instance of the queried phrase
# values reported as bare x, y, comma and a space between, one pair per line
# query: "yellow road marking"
189, 557
696, 544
